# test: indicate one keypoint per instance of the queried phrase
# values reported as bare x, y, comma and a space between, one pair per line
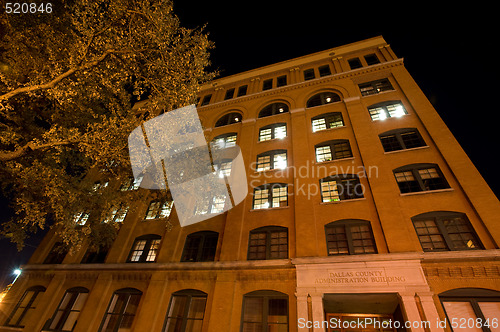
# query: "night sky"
449, 50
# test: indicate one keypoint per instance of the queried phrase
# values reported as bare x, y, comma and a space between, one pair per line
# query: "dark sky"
449, 50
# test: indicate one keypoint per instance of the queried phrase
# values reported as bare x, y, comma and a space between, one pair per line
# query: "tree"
68, 83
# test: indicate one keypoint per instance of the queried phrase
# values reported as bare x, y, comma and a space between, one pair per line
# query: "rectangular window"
371, 59
261, 198
309, 74
324, 70
138, 250
27, 304
273, 195
374, 87
390, 143
229, 94
270, 243
329, 192
338, 149
186, 312
327, 121
267, 84
159, 209
265, 134
354, 63
323, 153
121, 311
280, 197
336, 188
429, 235
336, 240
263, 163
352, 237
264, 313
206, 100
242, 90
68, 311
281, 81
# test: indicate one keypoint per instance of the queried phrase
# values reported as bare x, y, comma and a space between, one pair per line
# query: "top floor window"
354, 63
206, 100
281, 81
388, 109
324, 70
322, 99
242, 90
159, 209
267, 84
229, 94
230, 118
309, 74
273, 109
374, 87
371, 59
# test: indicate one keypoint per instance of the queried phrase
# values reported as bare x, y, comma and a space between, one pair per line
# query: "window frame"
414, 169
25, 310
398, 134
270, 187
164, 203
74, 294
266, 296
214, 144
273, 109
201, 247
332, 144
273, 127
375, 87
145, 251
229, 119
354, 63
340, 180
371, 62
189, 294
309, 74
57, 253
437, 217
272, 155
281, 81
122, 313
326, 117
347, 225
229, 94
206, 100
267, 84
268, 231
387, 113
322, 96
242, 91
324, 70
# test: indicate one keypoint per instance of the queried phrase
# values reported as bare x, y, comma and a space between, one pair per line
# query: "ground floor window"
265, 311
186, 311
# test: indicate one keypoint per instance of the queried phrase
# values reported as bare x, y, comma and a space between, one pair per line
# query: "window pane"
261, 198
460, 311
336, 240
429, 235
323, 153
253, 309
461, 233
318, 124
342, 150
153, 249
193, 325
279, 161
138, 250
390, 143
329, 192
396, 110
197, 307
490, 310
412, 139
265, 134
263, 163
280, 132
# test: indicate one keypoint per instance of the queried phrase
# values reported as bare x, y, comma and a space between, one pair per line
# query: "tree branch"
7, 156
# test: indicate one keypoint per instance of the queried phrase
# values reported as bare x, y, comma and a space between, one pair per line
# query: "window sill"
344, 201
328, 129
332, 161
270, 171
404, 150
270, 209
272, 140
379, 93
428, 192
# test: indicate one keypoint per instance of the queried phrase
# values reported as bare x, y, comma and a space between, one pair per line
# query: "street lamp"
17, 272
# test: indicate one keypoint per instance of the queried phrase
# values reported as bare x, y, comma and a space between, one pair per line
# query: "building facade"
363, 214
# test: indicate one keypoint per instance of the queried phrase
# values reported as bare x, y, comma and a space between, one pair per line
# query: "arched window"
200, 247
323, 98
327, 121
230, 118
419, 177
350, 237
145, 248
401, 139
331, 150
66, 315
186, 311
444, 230
342, 187
472, 305
27, 304
270, 195
275, 159
270, 242
121, 310
273, 109
265, 310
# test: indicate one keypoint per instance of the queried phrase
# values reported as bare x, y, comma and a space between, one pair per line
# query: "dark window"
159, 209
206, 100
420, 177
56, 254
95, 256
309, 74
324, 71
200, 247
371, 59
27, 304
388, 109
267, 84
350, 237
270, 196
472, 305
228, 119
273, 109
268, 243
121, 310
401, 139
275, 159
66, 315
441, 231
354, 63
322, 99
242, 90
224, 141
327, 121
229, 94
281, 81
186, 311
336, 149
338, 188
273, 131
374, 87
265, 311
145, 249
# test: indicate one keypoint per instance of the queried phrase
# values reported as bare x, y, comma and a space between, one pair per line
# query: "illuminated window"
270, 196
186, 311
350, 237
374, 87
66, 315
336, 149
275, 159
132, 183
81, 218
230, 118
268, 243
224, 141
419, 177
442, 231
327, 121
117, 214
200, 247
340, 188
273, 131
265, 311
273, 109
145, 249
401, 139
26, 305
121, 310
159, 209
224, 167
323, 98
392, 109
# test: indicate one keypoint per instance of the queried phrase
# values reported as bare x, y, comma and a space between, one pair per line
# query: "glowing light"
328, 99
17, 272
382, 115
281, 109
280, 162
399, 111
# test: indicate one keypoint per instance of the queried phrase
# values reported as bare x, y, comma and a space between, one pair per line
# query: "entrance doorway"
360, 323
